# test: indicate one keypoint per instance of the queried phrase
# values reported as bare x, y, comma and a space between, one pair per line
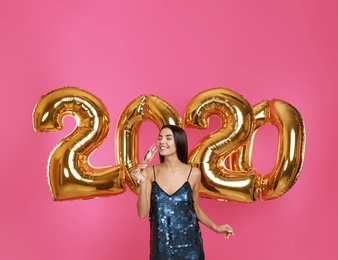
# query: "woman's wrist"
215, 228
141, 182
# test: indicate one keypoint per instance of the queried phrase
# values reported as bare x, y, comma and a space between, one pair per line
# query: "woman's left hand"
225, 229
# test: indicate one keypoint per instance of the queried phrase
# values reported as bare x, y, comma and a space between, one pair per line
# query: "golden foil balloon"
143, 108
210, 154
291, 147
70, 174
241, 159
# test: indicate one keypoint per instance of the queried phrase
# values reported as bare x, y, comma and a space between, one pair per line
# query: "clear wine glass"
149, 155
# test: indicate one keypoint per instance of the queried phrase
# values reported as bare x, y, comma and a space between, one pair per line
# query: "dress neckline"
170, 195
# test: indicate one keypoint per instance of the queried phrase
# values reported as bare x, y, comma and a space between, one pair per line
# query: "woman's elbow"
142, 214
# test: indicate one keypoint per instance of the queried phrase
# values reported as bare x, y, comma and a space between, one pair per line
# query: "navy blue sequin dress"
174, 228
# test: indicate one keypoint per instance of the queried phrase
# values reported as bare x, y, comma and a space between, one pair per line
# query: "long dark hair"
181, 142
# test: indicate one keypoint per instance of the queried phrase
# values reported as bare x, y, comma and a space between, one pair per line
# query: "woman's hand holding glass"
139, 174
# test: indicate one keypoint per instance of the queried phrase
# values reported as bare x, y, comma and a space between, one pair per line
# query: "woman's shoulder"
193, 168
195, 172
154, 168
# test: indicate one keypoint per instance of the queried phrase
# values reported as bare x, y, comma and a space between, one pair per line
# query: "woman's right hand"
139, 173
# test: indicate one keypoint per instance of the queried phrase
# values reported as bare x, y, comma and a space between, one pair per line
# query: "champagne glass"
149, 155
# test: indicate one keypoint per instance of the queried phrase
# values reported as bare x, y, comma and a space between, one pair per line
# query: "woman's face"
166, 142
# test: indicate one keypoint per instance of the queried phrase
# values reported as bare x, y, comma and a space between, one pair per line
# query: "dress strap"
189, 173
154, 173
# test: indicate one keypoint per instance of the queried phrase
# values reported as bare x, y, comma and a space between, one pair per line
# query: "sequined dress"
174, 228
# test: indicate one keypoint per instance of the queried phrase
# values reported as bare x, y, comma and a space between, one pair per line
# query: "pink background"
118, 50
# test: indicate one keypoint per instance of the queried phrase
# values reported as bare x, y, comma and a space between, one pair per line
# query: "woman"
169, 194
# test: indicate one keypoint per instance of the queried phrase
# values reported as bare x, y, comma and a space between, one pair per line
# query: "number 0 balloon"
291, 147
144, 108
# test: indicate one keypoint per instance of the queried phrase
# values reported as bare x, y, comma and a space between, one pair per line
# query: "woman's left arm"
202, 217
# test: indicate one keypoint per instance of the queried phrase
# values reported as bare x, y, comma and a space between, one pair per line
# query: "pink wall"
118, 50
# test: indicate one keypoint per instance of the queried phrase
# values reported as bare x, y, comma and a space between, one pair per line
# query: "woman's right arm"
143, 201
